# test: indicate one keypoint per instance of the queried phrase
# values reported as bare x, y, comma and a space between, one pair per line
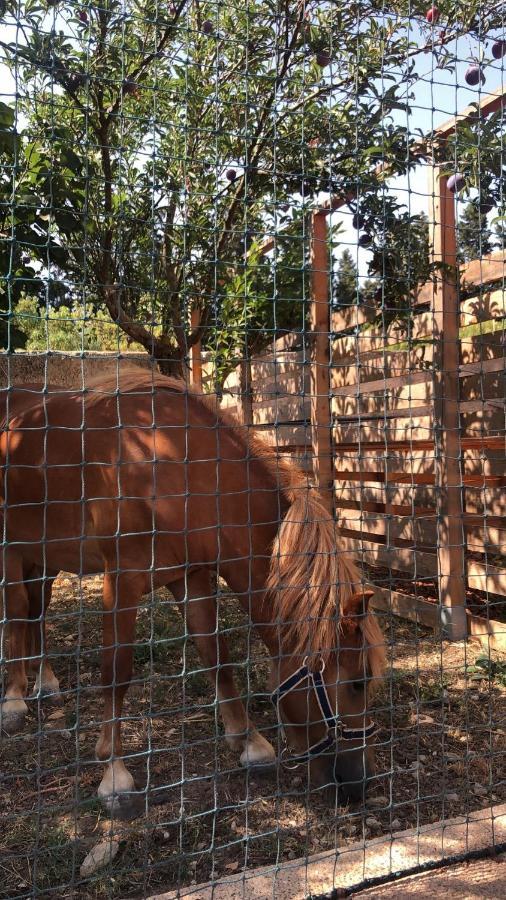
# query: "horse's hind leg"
39, 589
13, 708
202, 621
121, 597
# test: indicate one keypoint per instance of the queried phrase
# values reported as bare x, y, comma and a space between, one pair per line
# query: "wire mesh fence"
253, 617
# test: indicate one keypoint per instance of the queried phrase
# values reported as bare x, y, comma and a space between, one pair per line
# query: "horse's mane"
311, 577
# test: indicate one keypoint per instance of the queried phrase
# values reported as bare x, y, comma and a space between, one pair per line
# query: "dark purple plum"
358, 221
231, 174
323, 58
498, 49
474, 75
207, 27
364, 240
485, 205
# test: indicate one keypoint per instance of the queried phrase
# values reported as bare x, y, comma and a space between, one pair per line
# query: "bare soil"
441, 752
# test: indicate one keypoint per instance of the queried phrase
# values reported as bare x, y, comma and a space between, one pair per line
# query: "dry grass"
441, 735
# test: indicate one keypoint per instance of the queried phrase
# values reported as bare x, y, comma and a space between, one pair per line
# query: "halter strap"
335, 729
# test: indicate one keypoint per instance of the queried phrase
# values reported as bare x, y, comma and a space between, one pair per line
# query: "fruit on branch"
231, 174
485, 205
130, 87
456, 182
365, 240
358, 221
207, 27
498, 49
83, 16
432, 15
474, 75
323, 58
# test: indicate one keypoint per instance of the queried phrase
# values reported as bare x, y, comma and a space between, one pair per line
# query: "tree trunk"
173, 366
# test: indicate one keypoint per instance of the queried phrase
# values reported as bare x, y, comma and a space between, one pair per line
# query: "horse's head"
323, 703
332, 648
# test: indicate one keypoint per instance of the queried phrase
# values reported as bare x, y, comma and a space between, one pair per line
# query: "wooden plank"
476, 272
196, 352
390, 509
321, 414
415, 609
410, 377
484, 366
382, 384
447, 431
245, 394
405, 412
490, 633
351, 317
487, 305
420, 531
483, 577
480, 110
478, 480
477, 442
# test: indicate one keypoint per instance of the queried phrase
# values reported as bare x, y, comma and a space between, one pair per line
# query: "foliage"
345, 290
473, 233
485, 667
134, 118
400, 260
67, 328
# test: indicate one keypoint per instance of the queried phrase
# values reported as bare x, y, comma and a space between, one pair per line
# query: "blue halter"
335, 729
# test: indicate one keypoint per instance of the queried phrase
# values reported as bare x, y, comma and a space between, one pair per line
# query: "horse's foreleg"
121, 596
202, 622
39, 597
13, 708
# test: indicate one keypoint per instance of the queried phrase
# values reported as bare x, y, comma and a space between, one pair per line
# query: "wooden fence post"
196, 352
245, 403
321, 413
447, 434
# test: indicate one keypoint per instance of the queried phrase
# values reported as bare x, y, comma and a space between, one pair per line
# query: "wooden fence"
404, 426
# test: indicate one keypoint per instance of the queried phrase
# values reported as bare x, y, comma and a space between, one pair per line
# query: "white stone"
99, 856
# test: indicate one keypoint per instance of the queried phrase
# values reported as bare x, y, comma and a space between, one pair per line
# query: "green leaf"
7, 115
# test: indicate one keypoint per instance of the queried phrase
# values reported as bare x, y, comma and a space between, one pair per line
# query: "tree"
163, 150
473, 233
67, 328
345, 290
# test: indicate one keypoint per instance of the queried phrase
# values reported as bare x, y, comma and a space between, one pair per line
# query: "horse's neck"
247, 572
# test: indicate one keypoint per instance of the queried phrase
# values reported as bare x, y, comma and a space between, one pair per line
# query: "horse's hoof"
48, 697
257, 752
11, 722
123, 806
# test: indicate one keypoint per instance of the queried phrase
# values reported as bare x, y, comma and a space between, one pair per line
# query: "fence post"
447, 436
245, 391
196, 352
321, 412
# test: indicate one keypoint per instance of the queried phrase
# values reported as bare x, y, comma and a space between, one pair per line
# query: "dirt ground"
441, 752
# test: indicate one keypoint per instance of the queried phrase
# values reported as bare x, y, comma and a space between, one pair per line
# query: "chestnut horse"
144, 481
38, 584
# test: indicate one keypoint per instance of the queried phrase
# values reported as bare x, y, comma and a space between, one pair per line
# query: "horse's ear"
358, 603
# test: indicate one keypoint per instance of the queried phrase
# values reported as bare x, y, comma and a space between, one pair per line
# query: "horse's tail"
310, 578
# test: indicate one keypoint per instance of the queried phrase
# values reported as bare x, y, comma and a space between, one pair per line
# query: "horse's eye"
358, 687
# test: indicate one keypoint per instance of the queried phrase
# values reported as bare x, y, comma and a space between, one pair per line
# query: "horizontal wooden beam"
474, 273
489, 632
485, 442
485, 106
478, 480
